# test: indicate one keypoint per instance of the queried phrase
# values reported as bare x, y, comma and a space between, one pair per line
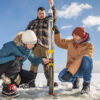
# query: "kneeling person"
12, 56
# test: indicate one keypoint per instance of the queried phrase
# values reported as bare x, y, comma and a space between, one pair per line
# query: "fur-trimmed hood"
17, 39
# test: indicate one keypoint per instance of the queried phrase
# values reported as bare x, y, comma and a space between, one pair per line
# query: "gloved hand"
56, 30
67, 76
51, 60
45, 60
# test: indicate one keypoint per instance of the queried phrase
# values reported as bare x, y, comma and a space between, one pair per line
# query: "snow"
62, 92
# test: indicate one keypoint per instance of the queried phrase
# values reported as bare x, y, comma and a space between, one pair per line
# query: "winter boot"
55, 84
86, 88
76, 84
32, 84
10, 90
47, 77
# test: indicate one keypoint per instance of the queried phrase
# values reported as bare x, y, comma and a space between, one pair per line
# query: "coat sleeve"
5, 54
62, 43
34, 60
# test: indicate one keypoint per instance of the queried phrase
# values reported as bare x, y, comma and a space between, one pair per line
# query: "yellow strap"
51, 28
51, 64
51, 51
57, 4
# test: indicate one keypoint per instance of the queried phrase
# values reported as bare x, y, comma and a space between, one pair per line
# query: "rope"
57, 6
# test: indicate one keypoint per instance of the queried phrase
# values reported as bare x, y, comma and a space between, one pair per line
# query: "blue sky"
16, 14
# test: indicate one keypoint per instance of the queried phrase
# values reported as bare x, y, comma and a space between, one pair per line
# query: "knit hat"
79, 31
29, 37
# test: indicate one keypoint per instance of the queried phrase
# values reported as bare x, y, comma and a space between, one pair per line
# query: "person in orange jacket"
79, 58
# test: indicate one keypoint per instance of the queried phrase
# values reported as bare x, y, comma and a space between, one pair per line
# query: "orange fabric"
74, 55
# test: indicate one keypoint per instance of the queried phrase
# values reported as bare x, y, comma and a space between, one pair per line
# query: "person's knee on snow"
5, 79
28, 78
8, 80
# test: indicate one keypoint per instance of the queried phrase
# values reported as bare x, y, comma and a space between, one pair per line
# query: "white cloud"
91, 21
98, 28
73, 10
67, 26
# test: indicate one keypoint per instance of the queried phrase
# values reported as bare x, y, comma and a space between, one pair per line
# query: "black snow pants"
13, 68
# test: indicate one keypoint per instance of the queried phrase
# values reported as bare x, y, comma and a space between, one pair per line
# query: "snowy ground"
62, 92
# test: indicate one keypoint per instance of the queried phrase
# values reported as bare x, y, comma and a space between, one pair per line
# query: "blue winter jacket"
10, 50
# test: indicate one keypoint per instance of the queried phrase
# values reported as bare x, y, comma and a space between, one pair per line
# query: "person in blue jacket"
12, 57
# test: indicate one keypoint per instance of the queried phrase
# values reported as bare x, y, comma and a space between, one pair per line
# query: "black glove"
51, 60
67, 76
56, 30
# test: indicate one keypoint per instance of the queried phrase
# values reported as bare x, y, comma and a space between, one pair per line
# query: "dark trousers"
13, 68
10, 69
26, 76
